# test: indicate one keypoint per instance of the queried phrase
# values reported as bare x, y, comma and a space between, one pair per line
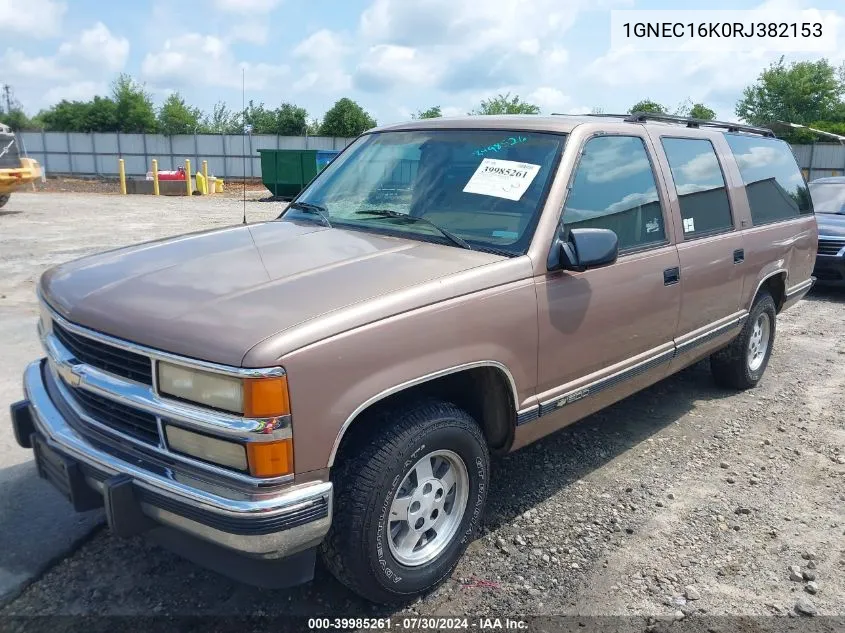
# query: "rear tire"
742, 363
408, 499
4, 198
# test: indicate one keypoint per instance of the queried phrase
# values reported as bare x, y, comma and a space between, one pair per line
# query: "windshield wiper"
387, 213
315, 209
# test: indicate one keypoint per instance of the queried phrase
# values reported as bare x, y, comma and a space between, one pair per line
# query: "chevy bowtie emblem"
69, 375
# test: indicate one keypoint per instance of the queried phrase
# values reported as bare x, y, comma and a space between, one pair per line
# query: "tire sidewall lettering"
387, 567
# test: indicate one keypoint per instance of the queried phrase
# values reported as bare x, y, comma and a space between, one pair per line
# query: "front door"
607, 332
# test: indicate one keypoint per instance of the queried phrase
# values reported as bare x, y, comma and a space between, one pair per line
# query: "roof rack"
640, 117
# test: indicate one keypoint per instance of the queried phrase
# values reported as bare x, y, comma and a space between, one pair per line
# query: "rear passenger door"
710, 246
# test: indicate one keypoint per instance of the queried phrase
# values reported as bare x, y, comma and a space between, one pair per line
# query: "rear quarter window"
775, 186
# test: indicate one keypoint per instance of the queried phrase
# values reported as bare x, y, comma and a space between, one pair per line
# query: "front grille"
106, 357
831, 247
133, 422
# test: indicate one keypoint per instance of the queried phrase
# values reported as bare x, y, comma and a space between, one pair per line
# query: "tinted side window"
614, 188
774, 184
700, 185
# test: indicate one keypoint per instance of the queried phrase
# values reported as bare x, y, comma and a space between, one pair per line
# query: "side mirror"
585, 248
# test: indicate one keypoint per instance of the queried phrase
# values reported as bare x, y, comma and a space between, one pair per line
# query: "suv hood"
214, 295
831, 224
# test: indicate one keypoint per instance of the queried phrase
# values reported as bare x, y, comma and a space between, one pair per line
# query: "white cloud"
17, 65
251, 32
33, 18
99, 47
321, 46
205, 60
76, 91
320, 58
387, 66
550, 99
248, 7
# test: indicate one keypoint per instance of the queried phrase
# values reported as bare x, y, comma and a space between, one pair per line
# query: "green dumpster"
285, 172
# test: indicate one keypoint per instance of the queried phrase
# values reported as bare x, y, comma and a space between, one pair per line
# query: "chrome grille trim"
76, 380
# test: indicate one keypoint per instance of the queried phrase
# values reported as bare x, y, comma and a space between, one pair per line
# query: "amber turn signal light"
270, 459
266, 397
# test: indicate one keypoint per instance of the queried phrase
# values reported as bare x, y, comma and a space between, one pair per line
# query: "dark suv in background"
829, 203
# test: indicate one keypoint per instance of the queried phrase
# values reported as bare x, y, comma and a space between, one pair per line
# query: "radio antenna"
243, 131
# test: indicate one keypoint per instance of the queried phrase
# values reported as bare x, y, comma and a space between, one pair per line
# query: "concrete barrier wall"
230, 155
96, 154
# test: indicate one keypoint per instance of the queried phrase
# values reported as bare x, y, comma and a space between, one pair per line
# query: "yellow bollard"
188, 175
205, 177
155, 177
121, 168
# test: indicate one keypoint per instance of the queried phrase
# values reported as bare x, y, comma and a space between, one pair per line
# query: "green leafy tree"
134, 106
17, 120
100, 115
431, 113
262, 120
222, 120
346, 118
66, 116
505, 104
647, 105
701, 111
313, 128
176, 117
291, 120
800, 92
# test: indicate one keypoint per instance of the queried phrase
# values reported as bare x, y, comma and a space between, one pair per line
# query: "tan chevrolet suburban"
336, 381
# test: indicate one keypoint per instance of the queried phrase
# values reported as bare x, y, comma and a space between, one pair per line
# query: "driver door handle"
671, 276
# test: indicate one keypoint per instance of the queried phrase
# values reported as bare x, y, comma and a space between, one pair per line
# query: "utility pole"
7, 94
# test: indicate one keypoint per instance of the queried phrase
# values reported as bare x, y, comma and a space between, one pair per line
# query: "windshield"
479, 189
828, 197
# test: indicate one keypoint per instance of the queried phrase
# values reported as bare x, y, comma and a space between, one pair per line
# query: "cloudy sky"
393, 56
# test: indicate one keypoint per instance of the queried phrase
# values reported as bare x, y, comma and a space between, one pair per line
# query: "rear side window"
774, 184
703, 199
614, 188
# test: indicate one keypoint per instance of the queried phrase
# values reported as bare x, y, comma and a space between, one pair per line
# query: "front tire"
4, 198
742, 363
408, 500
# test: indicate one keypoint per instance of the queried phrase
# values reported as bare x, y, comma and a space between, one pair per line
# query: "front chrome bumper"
264, 523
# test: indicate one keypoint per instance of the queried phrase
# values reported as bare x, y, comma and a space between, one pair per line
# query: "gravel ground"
683, 501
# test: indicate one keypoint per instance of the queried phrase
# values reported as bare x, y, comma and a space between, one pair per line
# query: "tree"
432, 113
176, 117
505, 104
17, 120
346, 118
701, 111
313, 128
259, 117
134, 106
801, 92
66, 116
647, 105
222, 121
291, 120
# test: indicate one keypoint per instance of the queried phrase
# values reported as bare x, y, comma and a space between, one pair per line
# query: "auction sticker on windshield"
502, 178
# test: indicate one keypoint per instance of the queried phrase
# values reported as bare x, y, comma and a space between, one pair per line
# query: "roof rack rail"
641, 117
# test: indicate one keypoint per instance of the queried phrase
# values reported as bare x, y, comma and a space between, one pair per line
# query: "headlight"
261, 459
206, 448
250, 397
202, 387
